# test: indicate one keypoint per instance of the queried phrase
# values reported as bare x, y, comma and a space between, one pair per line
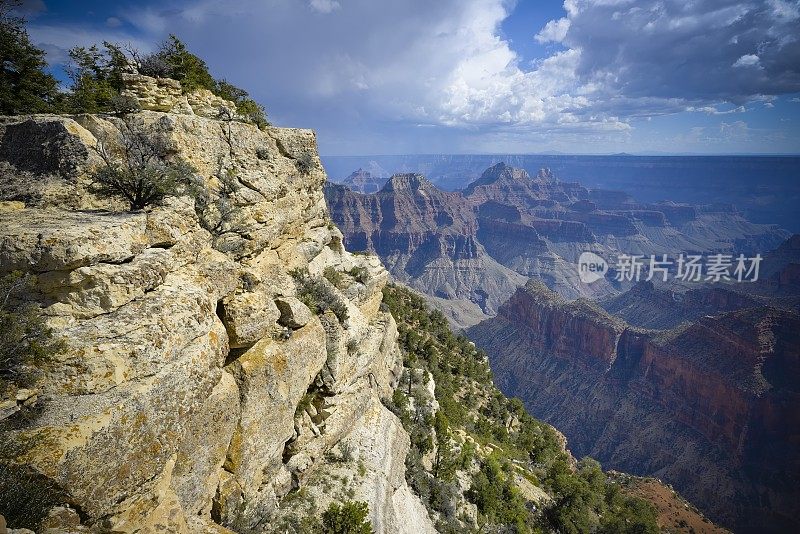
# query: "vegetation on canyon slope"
26, 337
479, 435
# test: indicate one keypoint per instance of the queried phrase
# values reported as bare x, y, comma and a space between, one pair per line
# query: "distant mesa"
404, 182
364, 182
506, 226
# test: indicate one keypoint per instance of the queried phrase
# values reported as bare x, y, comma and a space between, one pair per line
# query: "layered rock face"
553, 222
165, 94
711, 408
428, 239
469, 251
648, 306
174, 404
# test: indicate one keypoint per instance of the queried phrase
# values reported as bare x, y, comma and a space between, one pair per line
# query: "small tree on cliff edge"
96, 75
174, 60
349, 518
141, 174
26, 337
24, 85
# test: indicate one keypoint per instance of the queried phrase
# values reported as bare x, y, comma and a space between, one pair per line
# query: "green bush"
141, 174
26, 338
333, 276
348, 518
360, 274
262, 153
319, 295
246, 107
347, 450
123, 105
305, 162
628, 515
95, 73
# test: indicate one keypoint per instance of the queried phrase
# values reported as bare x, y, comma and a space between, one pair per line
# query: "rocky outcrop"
367, 466
174, 403
711, 408
165, 94
155, 94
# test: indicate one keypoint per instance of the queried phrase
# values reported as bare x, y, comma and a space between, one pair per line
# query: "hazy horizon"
765, 187
559, 153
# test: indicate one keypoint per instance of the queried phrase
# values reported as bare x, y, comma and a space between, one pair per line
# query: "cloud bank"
445, 71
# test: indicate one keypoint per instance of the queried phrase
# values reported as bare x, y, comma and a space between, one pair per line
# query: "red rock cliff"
708, 407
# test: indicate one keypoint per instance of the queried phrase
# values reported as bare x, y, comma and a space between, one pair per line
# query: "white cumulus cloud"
324, 6
390, 68
554, 31
747, 60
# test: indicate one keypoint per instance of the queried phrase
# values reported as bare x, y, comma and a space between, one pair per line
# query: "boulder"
294, 314
248, 317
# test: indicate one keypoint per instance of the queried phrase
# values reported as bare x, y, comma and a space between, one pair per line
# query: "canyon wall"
711, 407
468, 251
427, 238
179, 399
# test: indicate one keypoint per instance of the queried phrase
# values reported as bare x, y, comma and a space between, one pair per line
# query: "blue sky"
478, 76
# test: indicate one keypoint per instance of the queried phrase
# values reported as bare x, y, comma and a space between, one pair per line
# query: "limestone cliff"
195, 388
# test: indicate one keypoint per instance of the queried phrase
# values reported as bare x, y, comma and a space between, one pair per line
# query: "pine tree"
26, 337
349, 518
444, 463
24, 85
96, 76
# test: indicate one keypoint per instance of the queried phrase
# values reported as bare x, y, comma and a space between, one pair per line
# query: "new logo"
591, 267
